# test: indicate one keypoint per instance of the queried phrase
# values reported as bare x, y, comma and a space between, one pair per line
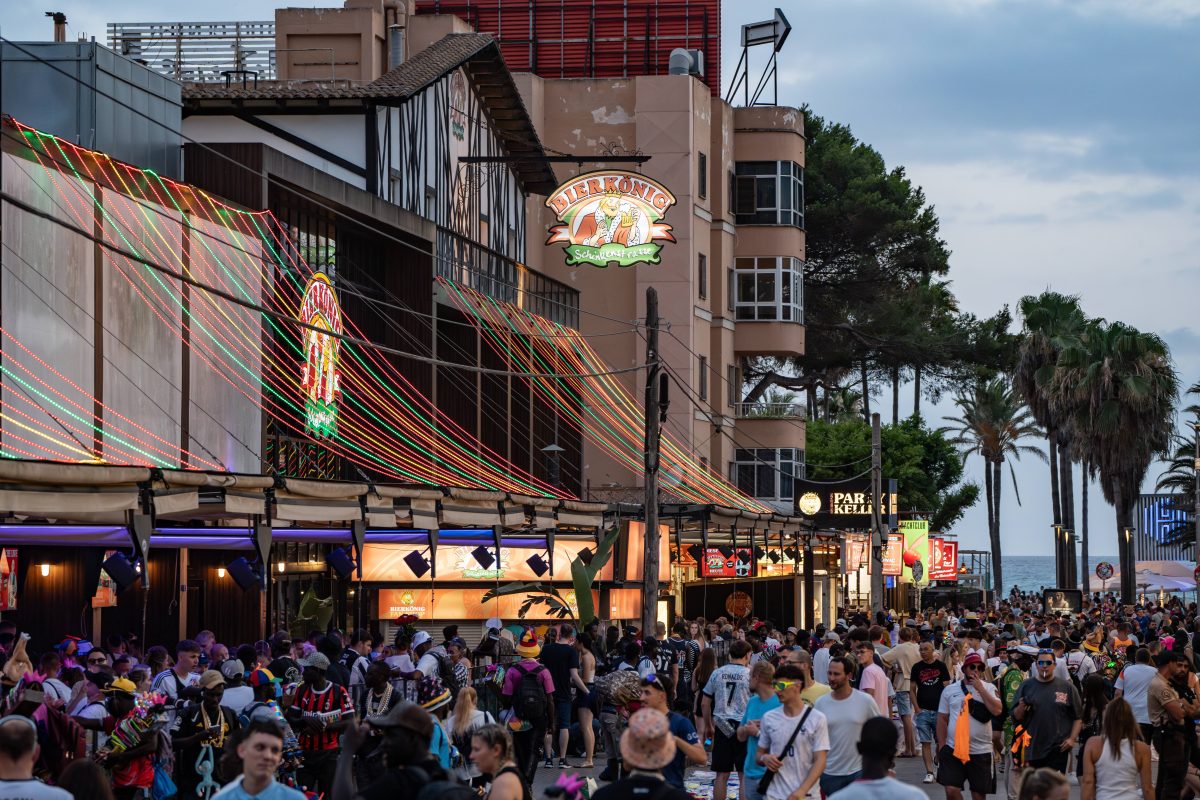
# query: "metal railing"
198, 52
764, 410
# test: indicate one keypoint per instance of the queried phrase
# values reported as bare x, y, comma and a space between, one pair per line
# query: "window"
702, 177
733, 385
767, 473
769, 193
703, 382
770, 288
702, 276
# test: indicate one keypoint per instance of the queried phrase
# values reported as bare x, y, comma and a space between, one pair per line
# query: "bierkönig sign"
611, 217
846, 504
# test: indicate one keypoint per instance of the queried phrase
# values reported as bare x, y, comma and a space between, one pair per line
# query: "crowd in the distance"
1011, 698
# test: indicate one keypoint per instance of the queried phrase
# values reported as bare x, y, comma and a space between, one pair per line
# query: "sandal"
587, 765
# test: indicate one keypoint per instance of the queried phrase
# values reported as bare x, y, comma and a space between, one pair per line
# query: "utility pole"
1196, 499
656, 413
877, 537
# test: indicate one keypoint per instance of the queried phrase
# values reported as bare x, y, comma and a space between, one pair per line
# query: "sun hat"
647, 743
317, 661
232, 667
407, 715
121, 685
419, 638
211, 678
431, 694
528, 645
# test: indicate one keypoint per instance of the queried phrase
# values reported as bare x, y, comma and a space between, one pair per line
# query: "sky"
1058, 140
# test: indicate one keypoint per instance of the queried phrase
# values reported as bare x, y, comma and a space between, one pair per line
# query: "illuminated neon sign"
321, 381
611, 217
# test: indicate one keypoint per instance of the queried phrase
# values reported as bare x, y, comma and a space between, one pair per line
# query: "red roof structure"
594, 38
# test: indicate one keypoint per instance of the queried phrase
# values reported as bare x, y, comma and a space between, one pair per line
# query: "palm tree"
1052, 320
1118, 386
992, 423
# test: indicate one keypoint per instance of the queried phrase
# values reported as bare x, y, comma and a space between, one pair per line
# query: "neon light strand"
599, 407
385, 424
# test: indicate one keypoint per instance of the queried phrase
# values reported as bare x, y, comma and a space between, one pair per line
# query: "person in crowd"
872, 679
460, 660
927, 679
1042, 784
435, 698
803, 660
330, 646
82, 779
1175, 732
822, 656
207, 724
706, 665
964, 732
1051, 711
529, 689
19, 752
686, 652
900, 660
282, 665
492, 751
462, 723
158, 660
205, 640
132, 769
647, 748
1116, 762
793, 742
97, 661
237, 694
318, 712
1133, 685
585, 702
378, 699
406, 733
355, 656
724, 704
260, 752
763, 698
179, 681
876, 750
688, 750
561, 660
846, 709
611, 722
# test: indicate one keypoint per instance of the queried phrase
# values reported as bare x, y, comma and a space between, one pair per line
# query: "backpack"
530, 701
1073, 668
443, 788
446, 672
247, 712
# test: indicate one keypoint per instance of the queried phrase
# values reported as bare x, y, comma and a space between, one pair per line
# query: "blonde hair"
464, 709
762, 670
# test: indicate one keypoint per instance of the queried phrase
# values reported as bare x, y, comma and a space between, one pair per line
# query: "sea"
1033, 573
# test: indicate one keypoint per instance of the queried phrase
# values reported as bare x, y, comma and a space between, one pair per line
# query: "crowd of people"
1014, 699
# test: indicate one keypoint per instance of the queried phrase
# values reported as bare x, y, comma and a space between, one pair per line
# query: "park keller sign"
843, 504
611, 217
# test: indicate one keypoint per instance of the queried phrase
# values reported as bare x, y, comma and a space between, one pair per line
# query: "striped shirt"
320, 703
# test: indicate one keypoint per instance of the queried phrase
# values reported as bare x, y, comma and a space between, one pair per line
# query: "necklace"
219, 740
377, 707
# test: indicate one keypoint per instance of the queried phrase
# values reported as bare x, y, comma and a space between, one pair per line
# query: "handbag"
764, 782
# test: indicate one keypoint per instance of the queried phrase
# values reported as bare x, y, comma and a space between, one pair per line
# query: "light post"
1059, 556
1128, 568
1196, 489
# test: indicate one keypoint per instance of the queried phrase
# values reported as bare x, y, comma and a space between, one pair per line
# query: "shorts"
835, 783
728, 754
977, 772
562, 712
586, 701
926, 724
1056, 760
903, 704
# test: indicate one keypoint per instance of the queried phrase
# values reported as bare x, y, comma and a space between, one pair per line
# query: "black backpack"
441, 788
446, 672
530, 699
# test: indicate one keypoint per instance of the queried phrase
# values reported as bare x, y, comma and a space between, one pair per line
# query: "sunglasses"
1042, 663
781, 685
97, 660
970, 667
652, 680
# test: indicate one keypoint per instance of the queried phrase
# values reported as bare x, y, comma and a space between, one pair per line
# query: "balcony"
782, 339
765, 410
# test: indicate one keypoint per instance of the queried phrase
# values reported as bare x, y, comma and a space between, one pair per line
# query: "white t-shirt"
428, 665
56, 690
821, 665
952, 704
845, 719
775, 729
1134, 682
31, 789
165, 683
729, 688
94, 710
402, 662
882, 789
236, 698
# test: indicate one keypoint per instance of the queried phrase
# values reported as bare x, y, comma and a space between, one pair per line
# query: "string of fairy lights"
383, 423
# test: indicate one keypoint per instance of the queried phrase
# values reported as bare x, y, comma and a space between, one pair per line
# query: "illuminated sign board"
844, 504
943, 560
739, 563
611, 217
893, 555
321, 378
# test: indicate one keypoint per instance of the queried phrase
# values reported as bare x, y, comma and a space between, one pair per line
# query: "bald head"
18, 746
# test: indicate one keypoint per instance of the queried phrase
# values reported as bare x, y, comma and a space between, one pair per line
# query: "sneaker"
549, 763
928, 778
562, 764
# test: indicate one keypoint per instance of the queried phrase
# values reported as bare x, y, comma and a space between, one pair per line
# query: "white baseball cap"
420, 638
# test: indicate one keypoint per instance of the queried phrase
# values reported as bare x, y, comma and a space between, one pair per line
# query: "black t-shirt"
285, 669
403, 782
559, 659
639, 787
930, 680
191, 722
337, 674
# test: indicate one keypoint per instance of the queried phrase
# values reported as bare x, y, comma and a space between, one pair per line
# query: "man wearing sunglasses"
1051, 711
966, 709
793, 741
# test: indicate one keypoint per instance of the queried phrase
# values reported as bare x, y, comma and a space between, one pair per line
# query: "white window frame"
779, 270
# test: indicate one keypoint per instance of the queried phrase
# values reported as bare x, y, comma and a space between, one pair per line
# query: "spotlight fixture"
220, 572
585, 556
417, 563
726, 551
45, 570
538, 565
773, 555
483, 556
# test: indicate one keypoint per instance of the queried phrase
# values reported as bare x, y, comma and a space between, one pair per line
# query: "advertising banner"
893, 554
943, 559
916, 548
728, 562
846, 504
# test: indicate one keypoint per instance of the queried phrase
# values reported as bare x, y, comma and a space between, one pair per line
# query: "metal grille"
199, 52
1163, 523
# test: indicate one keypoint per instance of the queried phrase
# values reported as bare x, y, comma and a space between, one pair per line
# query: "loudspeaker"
537, 564
340, 561
121, 571
483, 556
417, 563
245, 574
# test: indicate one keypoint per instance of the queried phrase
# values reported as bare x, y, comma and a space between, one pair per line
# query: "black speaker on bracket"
245, 574
341, 562
121, 571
